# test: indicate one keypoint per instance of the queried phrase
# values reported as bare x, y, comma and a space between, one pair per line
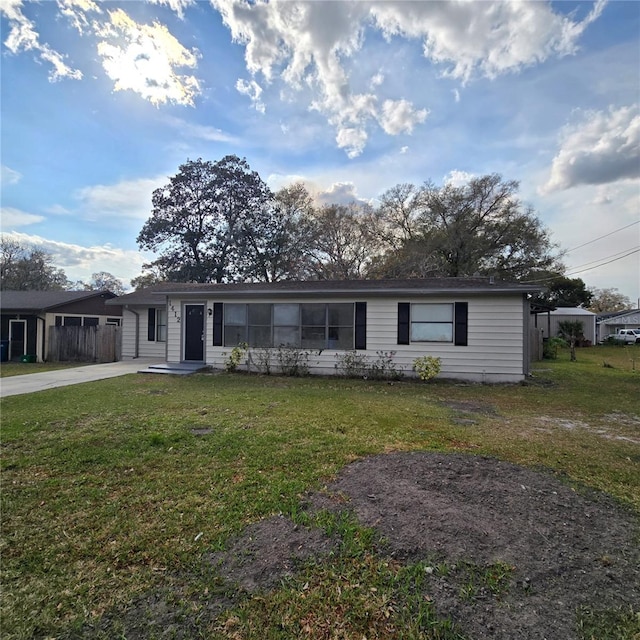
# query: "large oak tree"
202, 219
477, 228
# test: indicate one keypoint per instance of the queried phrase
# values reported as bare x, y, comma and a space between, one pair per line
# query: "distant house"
27, 315
477, 326
549, 321
608, 324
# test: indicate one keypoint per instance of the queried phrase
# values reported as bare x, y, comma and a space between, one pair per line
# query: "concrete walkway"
31, 382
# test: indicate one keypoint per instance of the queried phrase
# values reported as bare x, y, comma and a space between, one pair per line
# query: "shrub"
384, 368
427, 367
551, 346
292, 361
352, 364
235, 358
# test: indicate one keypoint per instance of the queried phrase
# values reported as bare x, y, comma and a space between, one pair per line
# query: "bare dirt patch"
565, 549
562, 548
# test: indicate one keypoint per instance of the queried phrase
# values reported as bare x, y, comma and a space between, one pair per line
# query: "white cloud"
129, 199
457, 178
309, 46
144, 59
75, 11
338, 193
79, 262
252, 90
305, 44
8, 176
24, 37
604, 147
202, 132
486, 38
399, 116
11, 218
175, 5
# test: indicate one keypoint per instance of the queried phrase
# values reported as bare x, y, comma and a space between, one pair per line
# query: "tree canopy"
478, 228
26, 268
608, 301
203, 219
219, 222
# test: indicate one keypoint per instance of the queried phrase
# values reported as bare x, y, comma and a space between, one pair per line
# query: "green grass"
109, 492
8, 369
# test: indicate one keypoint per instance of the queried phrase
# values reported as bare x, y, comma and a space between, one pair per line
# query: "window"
157, 325
91, 322
113, 322
308, 325
72, 321
432, 323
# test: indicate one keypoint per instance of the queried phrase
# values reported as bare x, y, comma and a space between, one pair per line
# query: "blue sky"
102, 101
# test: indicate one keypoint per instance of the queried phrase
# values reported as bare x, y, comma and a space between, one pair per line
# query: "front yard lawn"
114, 493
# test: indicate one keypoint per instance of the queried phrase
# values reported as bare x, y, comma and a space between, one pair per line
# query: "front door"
17, 338
194, 332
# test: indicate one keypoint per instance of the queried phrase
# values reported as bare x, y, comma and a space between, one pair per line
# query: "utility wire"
611, 258
606, 235
586, 267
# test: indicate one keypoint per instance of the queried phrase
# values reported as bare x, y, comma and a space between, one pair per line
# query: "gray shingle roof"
41, 300
152, 295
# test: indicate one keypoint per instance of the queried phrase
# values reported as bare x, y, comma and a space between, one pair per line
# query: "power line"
575, 270
611, 258
606, 235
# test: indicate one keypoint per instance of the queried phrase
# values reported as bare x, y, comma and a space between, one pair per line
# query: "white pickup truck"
628, 336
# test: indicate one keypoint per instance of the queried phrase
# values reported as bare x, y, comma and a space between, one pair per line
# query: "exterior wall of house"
496, 349
135, 338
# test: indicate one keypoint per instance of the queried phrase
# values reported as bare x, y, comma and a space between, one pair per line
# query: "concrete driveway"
31, 382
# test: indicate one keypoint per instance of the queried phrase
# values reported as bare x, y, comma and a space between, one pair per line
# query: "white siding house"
478, 327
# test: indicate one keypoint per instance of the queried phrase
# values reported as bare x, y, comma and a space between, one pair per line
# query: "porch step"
175, 368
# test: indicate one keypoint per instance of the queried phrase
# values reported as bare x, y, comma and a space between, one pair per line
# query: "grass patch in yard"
113, 490
8, 369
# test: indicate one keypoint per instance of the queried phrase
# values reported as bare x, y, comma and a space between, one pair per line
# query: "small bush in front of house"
235, 357
384, 367
262, 360
292, 361
352, 364
427, 367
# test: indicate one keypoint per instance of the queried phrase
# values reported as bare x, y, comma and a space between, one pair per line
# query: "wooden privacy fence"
536, 345
84, 344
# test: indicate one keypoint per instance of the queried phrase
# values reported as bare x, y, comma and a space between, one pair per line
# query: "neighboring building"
608, 324
477, 326
27, 315
549, 321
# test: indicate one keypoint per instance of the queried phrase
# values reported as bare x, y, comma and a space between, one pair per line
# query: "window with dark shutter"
403, 322
361, 325
217, 324
151, 326
461, 323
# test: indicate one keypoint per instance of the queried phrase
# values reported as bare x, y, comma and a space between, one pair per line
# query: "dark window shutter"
361, 325
151, 326
461, 314
217, 324
403, 322
58, 321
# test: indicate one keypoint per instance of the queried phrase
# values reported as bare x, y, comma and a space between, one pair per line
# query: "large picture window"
306, 325
432, 322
